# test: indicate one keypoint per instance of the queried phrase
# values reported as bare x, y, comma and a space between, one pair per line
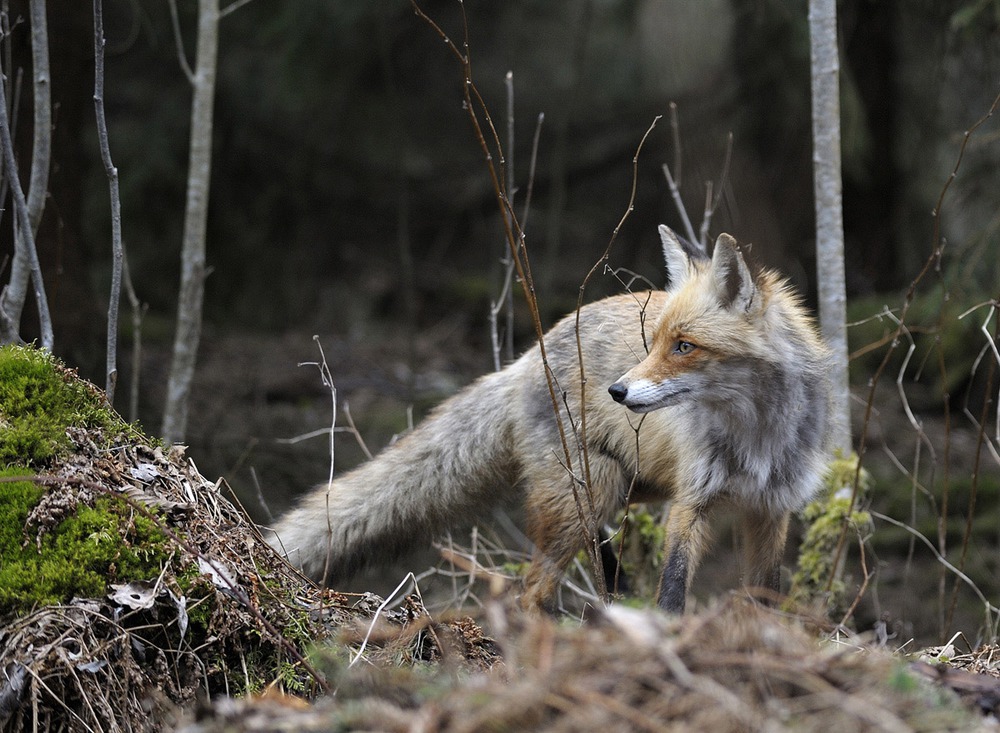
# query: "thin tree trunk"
117, 248
192, 289
829, 209
26, 238
12, 300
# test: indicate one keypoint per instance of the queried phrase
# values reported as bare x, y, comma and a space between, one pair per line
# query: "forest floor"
254, 401
273, 653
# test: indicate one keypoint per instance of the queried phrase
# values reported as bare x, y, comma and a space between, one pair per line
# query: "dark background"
350, 200
347, 184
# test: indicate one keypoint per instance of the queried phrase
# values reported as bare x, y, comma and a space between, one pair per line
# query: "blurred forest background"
349, 200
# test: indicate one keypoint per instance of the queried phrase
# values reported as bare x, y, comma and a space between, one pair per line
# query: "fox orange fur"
719, 392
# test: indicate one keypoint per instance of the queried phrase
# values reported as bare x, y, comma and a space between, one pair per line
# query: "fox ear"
733, 280
676, 256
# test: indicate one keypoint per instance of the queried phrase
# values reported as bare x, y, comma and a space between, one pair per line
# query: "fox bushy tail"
450, 471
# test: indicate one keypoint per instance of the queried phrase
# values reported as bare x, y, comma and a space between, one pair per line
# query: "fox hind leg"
555, 530
559, 527
763, 537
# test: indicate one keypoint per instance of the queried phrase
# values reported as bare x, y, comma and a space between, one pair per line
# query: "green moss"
92, 547
817, 580
39, 399
902, 680
16, 500
643, 555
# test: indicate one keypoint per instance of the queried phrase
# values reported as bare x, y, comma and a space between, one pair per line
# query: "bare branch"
505, 301
12, 299
138, 311
675, 135
27, 239
117, 250
179, 41
233, 7
674, 182
595, 549
675, 193
712, 202
531, 170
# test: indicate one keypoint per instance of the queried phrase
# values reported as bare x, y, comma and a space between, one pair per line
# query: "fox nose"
618, 391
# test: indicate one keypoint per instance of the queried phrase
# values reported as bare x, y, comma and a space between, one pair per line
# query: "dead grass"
735, 667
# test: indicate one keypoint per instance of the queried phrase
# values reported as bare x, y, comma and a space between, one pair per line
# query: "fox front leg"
687, 532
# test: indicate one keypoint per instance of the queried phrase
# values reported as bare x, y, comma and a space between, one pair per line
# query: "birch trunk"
829, 209
189, 306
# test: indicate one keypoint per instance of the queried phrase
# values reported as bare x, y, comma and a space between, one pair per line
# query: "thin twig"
353, 429
111, 355
175, 24
327, 379
531, 170
675, 183
712, 203
675, 136
409, 578
981, 440
27, 240
509, 164
138, 311
512, 228
599, 264
233, 7
990, 608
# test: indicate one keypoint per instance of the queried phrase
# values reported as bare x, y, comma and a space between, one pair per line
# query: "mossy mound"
39, 399
94, 545
76, 537
127, 582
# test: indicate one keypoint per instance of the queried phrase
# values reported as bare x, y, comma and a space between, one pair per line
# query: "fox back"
718, 396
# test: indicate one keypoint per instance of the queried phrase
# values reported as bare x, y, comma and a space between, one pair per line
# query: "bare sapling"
193, 272
28, 210
117, 248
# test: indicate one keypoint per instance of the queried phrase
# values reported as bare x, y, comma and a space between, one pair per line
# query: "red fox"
718, 397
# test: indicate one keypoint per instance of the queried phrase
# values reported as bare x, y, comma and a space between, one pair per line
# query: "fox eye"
684, 347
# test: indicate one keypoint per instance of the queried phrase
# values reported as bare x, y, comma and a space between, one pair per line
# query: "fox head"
715, 314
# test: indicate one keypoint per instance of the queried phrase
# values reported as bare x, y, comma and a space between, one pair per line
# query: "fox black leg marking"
673, 582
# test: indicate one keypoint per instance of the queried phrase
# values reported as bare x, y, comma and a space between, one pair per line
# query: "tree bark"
189, 306
829, 206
